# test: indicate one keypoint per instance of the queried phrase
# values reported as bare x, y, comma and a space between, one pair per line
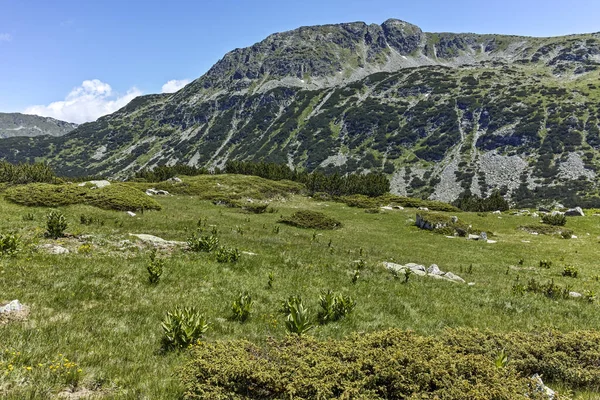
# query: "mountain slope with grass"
16, 124
440, 113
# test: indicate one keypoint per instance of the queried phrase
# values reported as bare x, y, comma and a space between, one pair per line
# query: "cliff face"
441, 113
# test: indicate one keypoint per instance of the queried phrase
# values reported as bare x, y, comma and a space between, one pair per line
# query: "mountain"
16, 124
441, 113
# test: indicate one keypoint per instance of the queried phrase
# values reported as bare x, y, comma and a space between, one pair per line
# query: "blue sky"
78, 59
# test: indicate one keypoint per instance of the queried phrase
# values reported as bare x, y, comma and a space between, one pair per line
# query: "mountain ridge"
17, 124
441, 113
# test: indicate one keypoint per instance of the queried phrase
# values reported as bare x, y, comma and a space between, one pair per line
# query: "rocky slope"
16, 124
441, 113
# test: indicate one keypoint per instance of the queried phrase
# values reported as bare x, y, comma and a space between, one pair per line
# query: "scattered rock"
575, 212
156, 192
54, 249
575, 295
156, 241
453, 277
131, 213
434, 270
526, 241
174, 180
13, 311
95, 184
541, 388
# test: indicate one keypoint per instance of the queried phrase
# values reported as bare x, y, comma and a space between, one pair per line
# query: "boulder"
497, 212
453, 277
174, 180
387, 208
473, 237
541, 388
434, 270
13, 306
156, 192
575, 212
95, 184
454, 219
483, 236
156, 241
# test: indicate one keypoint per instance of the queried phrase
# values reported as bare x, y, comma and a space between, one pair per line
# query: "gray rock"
13, 306
417, 267
398, 208
557, 213
541, 388
497, 212
544, 209
483, 236
473, 237
155, 240
174, 180
54, 249
453, 277
434, 270
454, 219
575, 212
131, 213
423, 208
156, 192
575, 295
492, 241
387, 208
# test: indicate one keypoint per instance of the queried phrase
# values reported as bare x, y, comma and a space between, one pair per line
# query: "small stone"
423, 208
13, 306
451, 237
491, 241
418, 267
454, 219
386, 208
471, 284
131, 213
575, 295
174, 180
483, 236
398, 208
497, 212
573, 237
249, 253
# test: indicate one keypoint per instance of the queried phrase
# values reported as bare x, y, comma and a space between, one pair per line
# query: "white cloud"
5, 37
86, 103
174, 85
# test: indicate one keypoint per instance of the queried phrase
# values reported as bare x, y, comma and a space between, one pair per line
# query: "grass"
98, 310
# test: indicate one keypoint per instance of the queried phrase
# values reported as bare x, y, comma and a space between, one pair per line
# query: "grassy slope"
98, 310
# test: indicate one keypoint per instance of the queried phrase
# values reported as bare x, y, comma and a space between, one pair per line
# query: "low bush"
570, 271
554, 219
116, 196
182, 327
392, 364
311, 220
362, 201
56, 224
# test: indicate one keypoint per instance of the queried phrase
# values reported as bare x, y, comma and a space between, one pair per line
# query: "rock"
541, 388
13, 306
398, 208
471, 284
386, 208
573, 237
575, 295
575, 212
453, 277
249, 253
451, 237
95, 184
155, 240
557, 213
155, 192
417, 267
131, 213
483, 236
454, 219
492, 241
535, 215
544, 209
54, 249
174, 180
497, 212
473, 237
423, 208
434, 270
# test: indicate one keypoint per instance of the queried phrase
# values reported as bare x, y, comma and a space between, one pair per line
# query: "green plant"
242, 307
182, 327
28, 217
334, 306
355, 276
9, 244
545, 264
89, 220
155, 268
502, 359
570, 271
289, 303
589, 295
85, 248
56, 224
203, 243
271, 280
227, 254
407, 274
298, 320
555, 219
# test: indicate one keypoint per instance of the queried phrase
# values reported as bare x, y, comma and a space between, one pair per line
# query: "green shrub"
311, 220
334, 306
545, 264
287, 305
28, 217
117, 196
227, 254
298, 320
570, 271
390, 364
56, 224
9, 244
155, 268
24, 173
554, 219
203, 243
182, 327
242, 307
85, 219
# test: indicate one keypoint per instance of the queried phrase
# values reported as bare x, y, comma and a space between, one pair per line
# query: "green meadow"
94, 322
